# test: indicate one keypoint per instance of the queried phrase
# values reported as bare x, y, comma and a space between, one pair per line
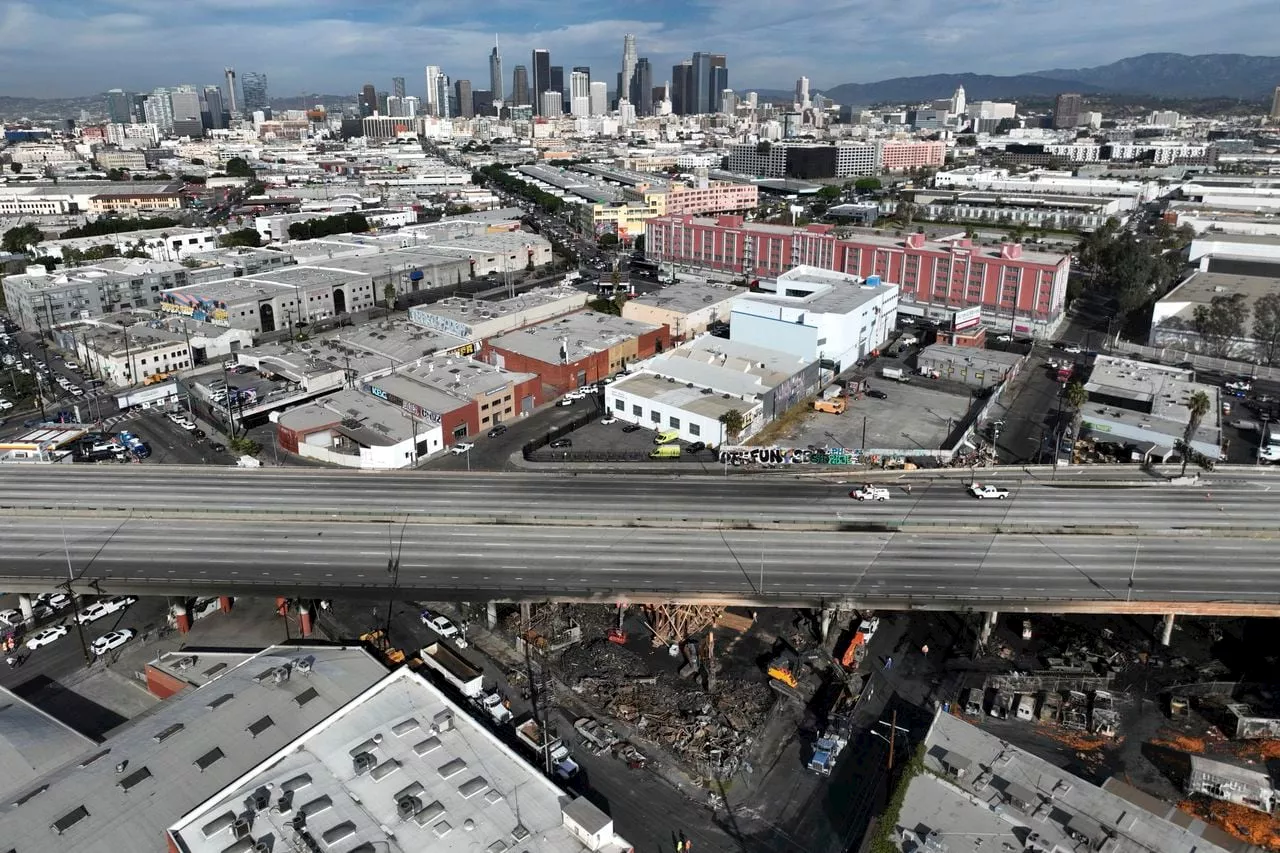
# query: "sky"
66, 48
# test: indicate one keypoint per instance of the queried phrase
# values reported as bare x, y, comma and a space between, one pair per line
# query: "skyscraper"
119, 104
702, 77
410, 105
802, 93
1275, 105
642, 87
580, 93
626, 79
557, 84
211, 109
368, 100
541, 77
719, 82
254, 87
520, 87
463, 104
444, 97
233, 103
1066, 111
495, 72
431, 104
397, 87
159, 110
599, 97
549, 104
681, 88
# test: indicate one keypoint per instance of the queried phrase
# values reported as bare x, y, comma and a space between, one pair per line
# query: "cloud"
70, 47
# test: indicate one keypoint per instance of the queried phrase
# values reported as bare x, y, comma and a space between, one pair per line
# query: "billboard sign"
966, 318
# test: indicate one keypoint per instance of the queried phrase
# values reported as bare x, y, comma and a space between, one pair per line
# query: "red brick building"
1016, 288
576, 350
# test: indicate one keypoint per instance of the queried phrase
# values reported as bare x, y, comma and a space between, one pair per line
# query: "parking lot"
916, 415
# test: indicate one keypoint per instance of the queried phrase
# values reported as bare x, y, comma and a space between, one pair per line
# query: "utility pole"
893, 736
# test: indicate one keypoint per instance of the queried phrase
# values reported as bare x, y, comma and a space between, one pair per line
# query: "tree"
17, 240
1266, 324
16, 168
238, 167
608, 240
867, 185
638, 245
1075, 396
243, 237
389, 295
830, 193
1220, 323
1198, 405
733, 424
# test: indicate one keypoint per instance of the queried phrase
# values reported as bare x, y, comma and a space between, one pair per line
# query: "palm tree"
1075, 396
1197, 407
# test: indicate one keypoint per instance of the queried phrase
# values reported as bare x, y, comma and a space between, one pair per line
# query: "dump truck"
455, 670
492, 704
532, 736
835, 407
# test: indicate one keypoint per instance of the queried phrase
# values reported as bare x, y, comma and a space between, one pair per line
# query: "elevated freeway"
1053, 545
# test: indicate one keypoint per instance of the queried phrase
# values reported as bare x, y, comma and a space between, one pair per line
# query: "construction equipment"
835, 735
858, 645
378, 641
617, 635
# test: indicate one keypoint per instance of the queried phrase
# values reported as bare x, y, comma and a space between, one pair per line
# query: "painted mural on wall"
804, 456
204, 310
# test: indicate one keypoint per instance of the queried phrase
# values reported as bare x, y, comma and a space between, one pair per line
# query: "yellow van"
666, 451
666, 436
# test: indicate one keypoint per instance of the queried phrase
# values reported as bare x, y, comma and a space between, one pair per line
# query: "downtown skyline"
334, 46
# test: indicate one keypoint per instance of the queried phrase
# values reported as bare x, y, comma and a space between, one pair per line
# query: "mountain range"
1165, 75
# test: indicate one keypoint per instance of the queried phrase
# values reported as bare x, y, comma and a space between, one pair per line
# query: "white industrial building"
1046, 181
686, 308
358, 430
818, 315
162, 244
689, 389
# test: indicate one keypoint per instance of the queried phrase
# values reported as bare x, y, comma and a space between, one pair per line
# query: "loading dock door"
526, 404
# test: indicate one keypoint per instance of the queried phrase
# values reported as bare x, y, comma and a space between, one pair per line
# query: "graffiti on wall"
197, 308
805, 456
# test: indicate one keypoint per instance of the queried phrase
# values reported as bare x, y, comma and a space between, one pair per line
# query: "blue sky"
78, 47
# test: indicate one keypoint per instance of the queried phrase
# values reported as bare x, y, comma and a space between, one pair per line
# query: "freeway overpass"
1059, 545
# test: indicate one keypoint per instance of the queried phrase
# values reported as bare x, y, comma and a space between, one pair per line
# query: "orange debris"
1242, 823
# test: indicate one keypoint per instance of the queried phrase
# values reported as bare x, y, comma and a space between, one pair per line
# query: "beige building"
687, 309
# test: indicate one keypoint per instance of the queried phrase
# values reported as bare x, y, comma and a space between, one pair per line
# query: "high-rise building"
541, 77
579, 93
550, 104
642, 87
430, 103
959, 103
212, 113
495, 73
395, 107
410, 105
159, 111
120, 106
444, 97
599, 98
1066, 111
1275, 105
626, 78
184, 101
719, 81
728, 102
482, 103
368, 100
397, 87
681, 87
520, 87
702, 78
254, 88
233, 103
463, 105
802, 93
557, 84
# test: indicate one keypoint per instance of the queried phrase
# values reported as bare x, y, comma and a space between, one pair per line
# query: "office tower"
642, 88
959, 102
802, 93
397, 87
462, 103
184, 102
579, 93
680, 86
599, 98
119, 105
520, 87
719, 81
233, 104
753, 100
626, 78
626, 113
482, 103
395, 107
432, 74
444, 97
211, 110
701, 101
1275, 105
158, 110
254, 88
139, 107
410, 105
1066, 111
557, 84
384, 103
368, 100
541, 77
550, 104
495, 73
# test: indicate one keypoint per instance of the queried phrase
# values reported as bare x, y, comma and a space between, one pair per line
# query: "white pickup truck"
981, 492
491, 704
870, 493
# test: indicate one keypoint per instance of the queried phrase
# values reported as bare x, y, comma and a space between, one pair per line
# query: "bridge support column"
988, 622
1166, 633
304, 618
182, 619
491, 615
28, 611
827, 616
526, 615
224, 603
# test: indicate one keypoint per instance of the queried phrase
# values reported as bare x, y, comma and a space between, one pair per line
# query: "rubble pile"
707, 731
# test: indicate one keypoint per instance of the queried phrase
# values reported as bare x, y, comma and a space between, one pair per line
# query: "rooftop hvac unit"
407, 807
363, 763
240, 829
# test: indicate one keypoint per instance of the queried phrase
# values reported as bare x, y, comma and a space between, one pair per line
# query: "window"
656, 417
637, 411
620, 406
694, 429
673, 422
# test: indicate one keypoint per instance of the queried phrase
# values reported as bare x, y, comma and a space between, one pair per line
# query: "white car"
47, 636
441, 625
568, 401
1071, 349
56, 600
1269, 454
12, 618
1240, 385
119, 602
982, 492
93, 613
461, 447
5, 405
1004, 339
71, 365
111, 640
870, 493
608, 419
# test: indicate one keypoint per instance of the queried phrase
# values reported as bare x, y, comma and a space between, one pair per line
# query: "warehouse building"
476, 320
687, 308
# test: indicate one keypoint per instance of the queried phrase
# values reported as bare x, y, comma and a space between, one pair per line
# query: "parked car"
877, 394
12, 618
608, 420
461, 447
93, 613
111, 640
55, 600
497, 430
631, 428
562, 442
568, 401
47, 636
218, 447
442, 625
120, 602
696, 447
